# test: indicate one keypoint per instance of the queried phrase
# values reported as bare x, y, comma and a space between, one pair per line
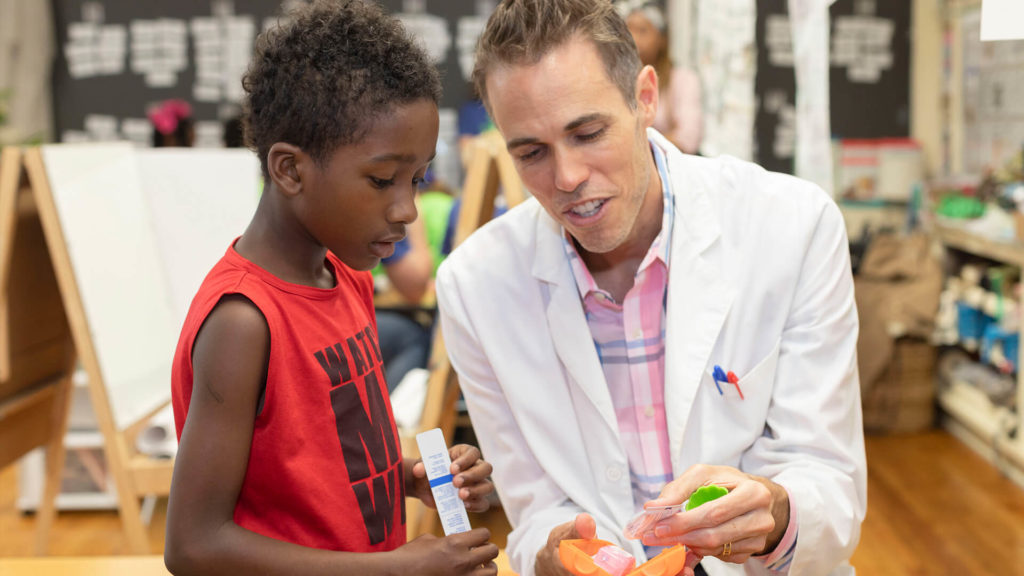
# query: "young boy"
289, 461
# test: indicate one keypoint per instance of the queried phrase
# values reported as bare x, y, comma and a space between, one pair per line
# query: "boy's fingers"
486, 569
463, 456
474, 475
484, 554
477, 505
479, 490
419, 470
473, 538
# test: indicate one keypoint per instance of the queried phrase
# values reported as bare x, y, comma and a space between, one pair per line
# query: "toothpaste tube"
439, 465
646, 520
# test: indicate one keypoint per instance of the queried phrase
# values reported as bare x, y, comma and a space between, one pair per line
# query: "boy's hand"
471, 475
465, 553
548, 561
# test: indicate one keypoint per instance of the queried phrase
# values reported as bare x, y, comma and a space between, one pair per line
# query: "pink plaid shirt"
630, 341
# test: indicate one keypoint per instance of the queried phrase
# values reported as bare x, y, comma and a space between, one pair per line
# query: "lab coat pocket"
744, 406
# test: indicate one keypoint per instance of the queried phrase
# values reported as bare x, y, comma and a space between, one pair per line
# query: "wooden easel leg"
414, 512
131, 520
55, 454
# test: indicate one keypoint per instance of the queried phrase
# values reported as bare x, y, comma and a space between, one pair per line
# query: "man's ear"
647, 95
284, 163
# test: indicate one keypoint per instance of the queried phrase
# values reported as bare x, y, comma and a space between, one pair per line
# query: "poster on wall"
118, 58
726, 61
993, 111
869, 75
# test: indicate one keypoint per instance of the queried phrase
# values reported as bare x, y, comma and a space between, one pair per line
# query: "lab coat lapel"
567, 323
699, 294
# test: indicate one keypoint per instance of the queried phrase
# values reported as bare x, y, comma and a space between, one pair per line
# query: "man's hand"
750, 520
548, 562
471, 476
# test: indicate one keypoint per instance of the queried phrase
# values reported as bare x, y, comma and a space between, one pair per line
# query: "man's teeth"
587, 209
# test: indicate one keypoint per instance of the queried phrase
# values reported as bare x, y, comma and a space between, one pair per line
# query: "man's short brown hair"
521, 32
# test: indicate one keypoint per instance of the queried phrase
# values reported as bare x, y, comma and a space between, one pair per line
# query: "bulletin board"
116, 58
993, 109
869, 75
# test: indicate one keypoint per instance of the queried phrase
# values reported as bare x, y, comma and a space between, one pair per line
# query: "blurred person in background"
679, 103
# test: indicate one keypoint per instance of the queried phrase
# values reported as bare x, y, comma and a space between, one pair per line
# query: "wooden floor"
934, 508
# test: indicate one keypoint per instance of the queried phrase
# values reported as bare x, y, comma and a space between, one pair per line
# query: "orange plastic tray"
577, 557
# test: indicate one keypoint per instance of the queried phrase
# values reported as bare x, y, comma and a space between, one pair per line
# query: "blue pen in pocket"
719, 375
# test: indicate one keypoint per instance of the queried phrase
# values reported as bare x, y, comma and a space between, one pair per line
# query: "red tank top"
325, 466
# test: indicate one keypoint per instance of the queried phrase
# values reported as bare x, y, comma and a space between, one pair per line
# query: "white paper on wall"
158, 50
223, 48
1002, 20
430, 30
727, 57
812, 126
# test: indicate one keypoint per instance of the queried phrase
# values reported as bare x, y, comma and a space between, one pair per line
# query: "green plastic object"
705, 494
962, 207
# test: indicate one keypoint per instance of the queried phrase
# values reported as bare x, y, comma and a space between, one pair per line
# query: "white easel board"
142, 227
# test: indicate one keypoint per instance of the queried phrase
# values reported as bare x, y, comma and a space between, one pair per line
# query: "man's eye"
531, 155
591, 136
381, 182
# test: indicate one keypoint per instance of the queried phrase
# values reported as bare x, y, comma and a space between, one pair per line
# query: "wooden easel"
135, 475
142, 229
489, 168
36, 351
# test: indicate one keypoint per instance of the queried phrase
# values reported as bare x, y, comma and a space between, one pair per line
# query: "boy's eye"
381, 183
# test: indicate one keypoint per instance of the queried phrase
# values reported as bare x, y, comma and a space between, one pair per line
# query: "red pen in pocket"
735, 382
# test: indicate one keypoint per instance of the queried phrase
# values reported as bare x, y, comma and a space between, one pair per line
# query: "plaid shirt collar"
659, 250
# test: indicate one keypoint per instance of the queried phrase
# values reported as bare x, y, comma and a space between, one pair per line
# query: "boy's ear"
284, 162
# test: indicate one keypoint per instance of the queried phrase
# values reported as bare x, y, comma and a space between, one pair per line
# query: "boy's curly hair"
330, 69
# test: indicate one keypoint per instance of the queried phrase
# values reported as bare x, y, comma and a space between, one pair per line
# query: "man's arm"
812, 448
814, 441
534, 503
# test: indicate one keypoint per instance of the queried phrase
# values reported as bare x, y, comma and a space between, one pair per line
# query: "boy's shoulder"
234, 274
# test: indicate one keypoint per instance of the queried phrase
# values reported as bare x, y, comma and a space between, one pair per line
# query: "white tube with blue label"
439, 473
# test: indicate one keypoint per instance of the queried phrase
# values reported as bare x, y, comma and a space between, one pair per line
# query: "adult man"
586, 325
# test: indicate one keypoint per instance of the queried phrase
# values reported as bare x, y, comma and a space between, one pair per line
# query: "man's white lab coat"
759, 283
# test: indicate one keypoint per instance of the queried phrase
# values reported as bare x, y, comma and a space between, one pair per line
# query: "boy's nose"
403, 210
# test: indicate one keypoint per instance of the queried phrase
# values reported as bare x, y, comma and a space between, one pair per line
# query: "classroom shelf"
996, 432
966, 241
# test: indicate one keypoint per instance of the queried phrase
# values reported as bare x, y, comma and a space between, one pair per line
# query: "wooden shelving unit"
996, 432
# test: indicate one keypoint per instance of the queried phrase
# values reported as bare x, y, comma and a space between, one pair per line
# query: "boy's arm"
230, 358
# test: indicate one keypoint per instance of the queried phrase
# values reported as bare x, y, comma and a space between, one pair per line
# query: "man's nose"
570, 170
